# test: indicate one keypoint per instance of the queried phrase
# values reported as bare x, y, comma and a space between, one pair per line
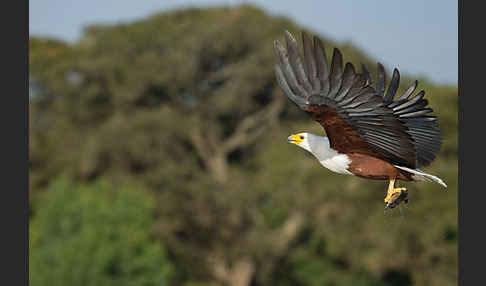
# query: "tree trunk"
218, 167
241, 273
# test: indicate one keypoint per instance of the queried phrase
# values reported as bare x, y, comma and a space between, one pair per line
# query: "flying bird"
369, 133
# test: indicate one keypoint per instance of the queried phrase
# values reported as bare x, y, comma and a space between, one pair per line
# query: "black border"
471, 193
14, 210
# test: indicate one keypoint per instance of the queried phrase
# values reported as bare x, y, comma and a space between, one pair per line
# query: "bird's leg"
395, 195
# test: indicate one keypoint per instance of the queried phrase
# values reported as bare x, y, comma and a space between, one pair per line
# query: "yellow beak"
295, 139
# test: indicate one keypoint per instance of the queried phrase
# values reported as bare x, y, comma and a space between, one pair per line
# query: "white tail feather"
421, 176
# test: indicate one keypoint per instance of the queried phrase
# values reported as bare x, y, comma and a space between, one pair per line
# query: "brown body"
365, 162
344, 139
369, 167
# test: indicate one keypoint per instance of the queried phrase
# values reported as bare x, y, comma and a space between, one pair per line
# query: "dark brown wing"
356, 118
412, 110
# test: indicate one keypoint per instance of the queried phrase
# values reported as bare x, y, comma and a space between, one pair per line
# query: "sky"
416, 36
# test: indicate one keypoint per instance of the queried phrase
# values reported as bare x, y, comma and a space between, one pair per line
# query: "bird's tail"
421, 176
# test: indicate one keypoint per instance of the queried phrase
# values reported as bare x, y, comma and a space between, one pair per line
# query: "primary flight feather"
369, 134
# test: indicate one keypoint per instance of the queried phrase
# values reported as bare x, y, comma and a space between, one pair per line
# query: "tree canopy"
185, 103
92, 234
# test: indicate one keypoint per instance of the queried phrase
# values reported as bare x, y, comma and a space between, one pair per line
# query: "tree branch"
253, 126
289, 231
198, 142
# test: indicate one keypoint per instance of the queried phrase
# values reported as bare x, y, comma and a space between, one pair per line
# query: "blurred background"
158, 151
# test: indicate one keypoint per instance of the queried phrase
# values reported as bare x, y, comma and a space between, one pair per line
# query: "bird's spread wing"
412, 111
357, 117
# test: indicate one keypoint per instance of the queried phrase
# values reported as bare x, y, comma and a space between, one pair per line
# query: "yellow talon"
396, 192
395, 195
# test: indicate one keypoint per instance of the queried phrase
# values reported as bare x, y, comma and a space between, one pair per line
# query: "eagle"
369, 133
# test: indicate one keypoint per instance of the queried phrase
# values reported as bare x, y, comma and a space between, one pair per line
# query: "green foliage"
93, 234
310, 265
185, 103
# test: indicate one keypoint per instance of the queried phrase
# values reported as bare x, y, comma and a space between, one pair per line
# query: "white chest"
319, 146
338, 163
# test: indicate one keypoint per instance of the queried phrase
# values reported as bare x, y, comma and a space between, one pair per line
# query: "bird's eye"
302, 137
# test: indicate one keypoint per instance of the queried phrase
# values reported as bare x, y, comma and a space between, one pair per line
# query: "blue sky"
419, 37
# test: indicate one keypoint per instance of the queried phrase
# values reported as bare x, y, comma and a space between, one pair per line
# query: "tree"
92, 234
185, 102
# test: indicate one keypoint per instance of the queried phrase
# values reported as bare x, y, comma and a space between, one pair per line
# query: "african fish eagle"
369, 134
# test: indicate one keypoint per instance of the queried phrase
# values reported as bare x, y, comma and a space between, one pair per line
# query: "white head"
319, 146
302, 140
313, 143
